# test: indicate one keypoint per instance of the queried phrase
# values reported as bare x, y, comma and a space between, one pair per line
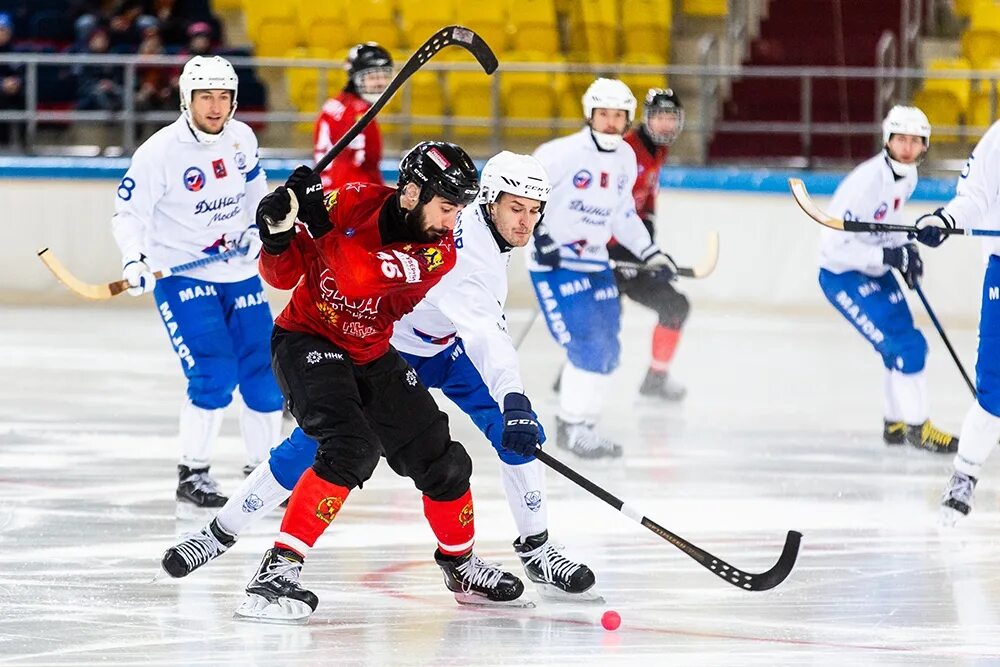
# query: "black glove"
907, 260
521, 433
277, 207
662, 263
546, 249
929, 228
312, 210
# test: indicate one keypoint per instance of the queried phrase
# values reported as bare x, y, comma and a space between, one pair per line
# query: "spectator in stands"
126, 24
11, 78
99, 87
173, 22
156, 85
199, 38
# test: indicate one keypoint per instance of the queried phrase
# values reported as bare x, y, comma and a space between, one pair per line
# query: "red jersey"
650, 159
359, 162
351, 286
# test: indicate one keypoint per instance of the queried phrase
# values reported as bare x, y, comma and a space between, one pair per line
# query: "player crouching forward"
456, 340
856, 276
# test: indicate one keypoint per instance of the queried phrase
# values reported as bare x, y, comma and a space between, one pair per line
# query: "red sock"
452, 522
313, 505
664, 346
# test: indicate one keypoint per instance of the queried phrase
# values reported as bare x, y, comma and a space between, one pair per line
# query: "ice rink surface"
781, 430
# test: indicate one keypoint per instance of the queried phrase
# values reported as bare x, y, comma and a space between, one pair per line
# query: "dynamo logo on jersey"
582, 179
194, 179
880, 212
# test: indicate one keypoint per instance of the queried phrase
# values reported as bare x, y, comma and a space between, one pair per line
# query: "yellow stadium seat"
942, 109
985, 15
599, 23
421, 19
304, 83
275, 37
471, 96
646, 27
963, 7
531, 96
959, 88
980, 46
979, 114
373, 21
640, 83
256, 13
226, 5
714, 8
490, 21
323, 24
534, 27
427, 98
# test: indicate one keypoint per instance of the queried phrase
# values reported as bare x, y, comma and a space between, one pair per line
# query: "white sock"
257, 496
261, 431
910, 392
524, 486
980, 432
581, 394
890, 408
199, 428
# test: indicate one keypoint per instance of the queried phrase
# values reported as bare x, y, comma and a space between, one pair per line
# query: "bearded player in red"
370, 254
369, 70
662, 122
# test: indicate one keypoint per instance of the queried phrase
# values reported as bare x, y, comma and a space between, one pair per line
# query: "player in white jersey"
592, 172
186, 196
456, 339
856, 276
976, 205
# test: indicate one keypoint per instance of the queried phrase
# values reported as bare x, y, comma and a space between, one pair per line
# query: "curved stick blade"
476, 45
781, 570
75, 285
809, 207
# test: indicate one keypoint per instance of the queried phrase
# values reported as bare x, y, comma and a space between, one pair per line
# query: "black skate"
274, 595
956, 501
197, 493
893, 433
661, 386
196, 549
930, 437
582, 440
556, 577
475, 582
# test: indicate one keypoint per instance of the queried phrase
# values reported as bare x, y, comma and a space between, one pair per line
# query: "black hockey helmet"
363, 59
440, 168
663, 100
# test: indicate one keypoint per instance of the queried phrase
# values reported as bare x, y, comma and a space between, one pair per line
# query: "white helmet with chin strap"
905, 120
206, 73
519, 175
608, 94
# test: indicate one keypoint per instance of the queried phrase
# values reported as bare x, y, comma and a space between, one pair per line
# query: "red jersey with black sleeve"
649, 158
359, 162
355, 281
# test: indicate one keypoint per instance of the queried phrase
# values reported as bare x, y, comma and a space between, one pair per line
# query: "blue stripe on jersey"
253, 173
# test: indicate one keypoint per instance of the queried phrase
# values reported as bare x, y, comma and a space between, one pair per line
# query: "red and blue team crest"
582, 179
880, 212
194, 179
577, 246
219, 167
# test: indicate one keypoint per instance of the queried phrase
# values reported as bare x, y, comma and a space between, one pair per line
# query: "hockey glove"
138, 274
907, 260
281, 207
521, 433
248, 238
662, 263
546, 249
929, 227
308, 187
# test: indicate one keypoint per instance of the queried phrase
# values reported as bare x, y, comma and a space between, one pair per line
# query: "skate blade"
550, 593
474, 600
283, 612
189, 512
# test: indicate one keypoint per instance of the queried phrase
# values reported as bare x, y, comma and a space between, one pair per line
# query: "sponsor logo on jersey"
327, 509
605, 177
881, 211
895, 204
438, 159
252, 503
219, 167
582, 179
411, 377
241, 160
433, 257
533, 500
465, 516
194, 179
315, 356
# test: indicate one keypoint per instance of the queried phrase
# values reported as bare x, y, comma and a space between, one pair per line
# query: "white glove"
249, 238
660, 261
138, 274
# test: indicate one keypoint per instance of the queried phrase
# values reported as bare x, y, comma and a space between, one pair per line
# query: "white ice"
781, 430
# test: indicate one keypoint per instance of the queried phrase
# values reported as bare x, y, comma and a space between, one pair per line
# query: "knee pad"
907, 353
259, 388
211, 383
595, 356
674, 311
347, 463
292, 458
438, 466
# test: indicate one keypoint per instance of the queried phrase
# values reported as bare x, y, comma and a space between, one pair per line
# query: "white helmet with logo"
206, 73
608, 94
905, 120
519, 175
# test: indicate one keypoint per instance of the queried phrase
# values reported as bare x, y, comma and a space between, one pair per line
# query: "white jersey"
468, 302
591, 201
179, 197
870, 193
977, 202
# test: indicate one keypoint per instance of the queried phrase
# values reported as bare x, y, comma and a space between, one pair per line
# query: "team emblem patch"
313, 357
433, 258
219, 167
194, 179
880, 212
252, 503
465, 517
241, 160
582, 179
330, 200
411, 377
533, 500
327, 509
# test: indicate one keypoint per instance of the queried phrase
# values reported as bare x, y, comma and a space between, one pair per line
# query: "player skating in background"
592, 172
456, 339
976, 205
369, 70
662, 122
370, 254
186, 196
856, 276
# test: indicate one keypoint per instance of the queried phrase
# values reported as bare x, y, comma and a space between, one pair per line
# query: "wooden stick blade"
806, 203
75, 285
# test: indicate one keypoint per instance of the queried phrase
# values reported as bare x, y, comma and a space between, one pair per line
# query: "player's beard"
416, 223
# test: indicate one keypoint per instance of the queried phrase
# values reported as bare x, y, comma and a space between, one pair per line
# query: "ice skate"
198, 494
956, 501
661, 386
557, 578
893, 433
274, 595
582, 440
476, 582
929, 437
196, 549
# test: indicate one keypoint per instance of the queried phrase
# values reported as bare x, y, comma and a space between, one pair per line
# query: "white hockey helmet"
608, 94
905, 120
519, 175
206, 73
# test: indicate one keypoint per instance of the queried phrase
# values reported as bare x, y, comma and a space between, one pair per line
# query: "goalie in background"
855, 275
